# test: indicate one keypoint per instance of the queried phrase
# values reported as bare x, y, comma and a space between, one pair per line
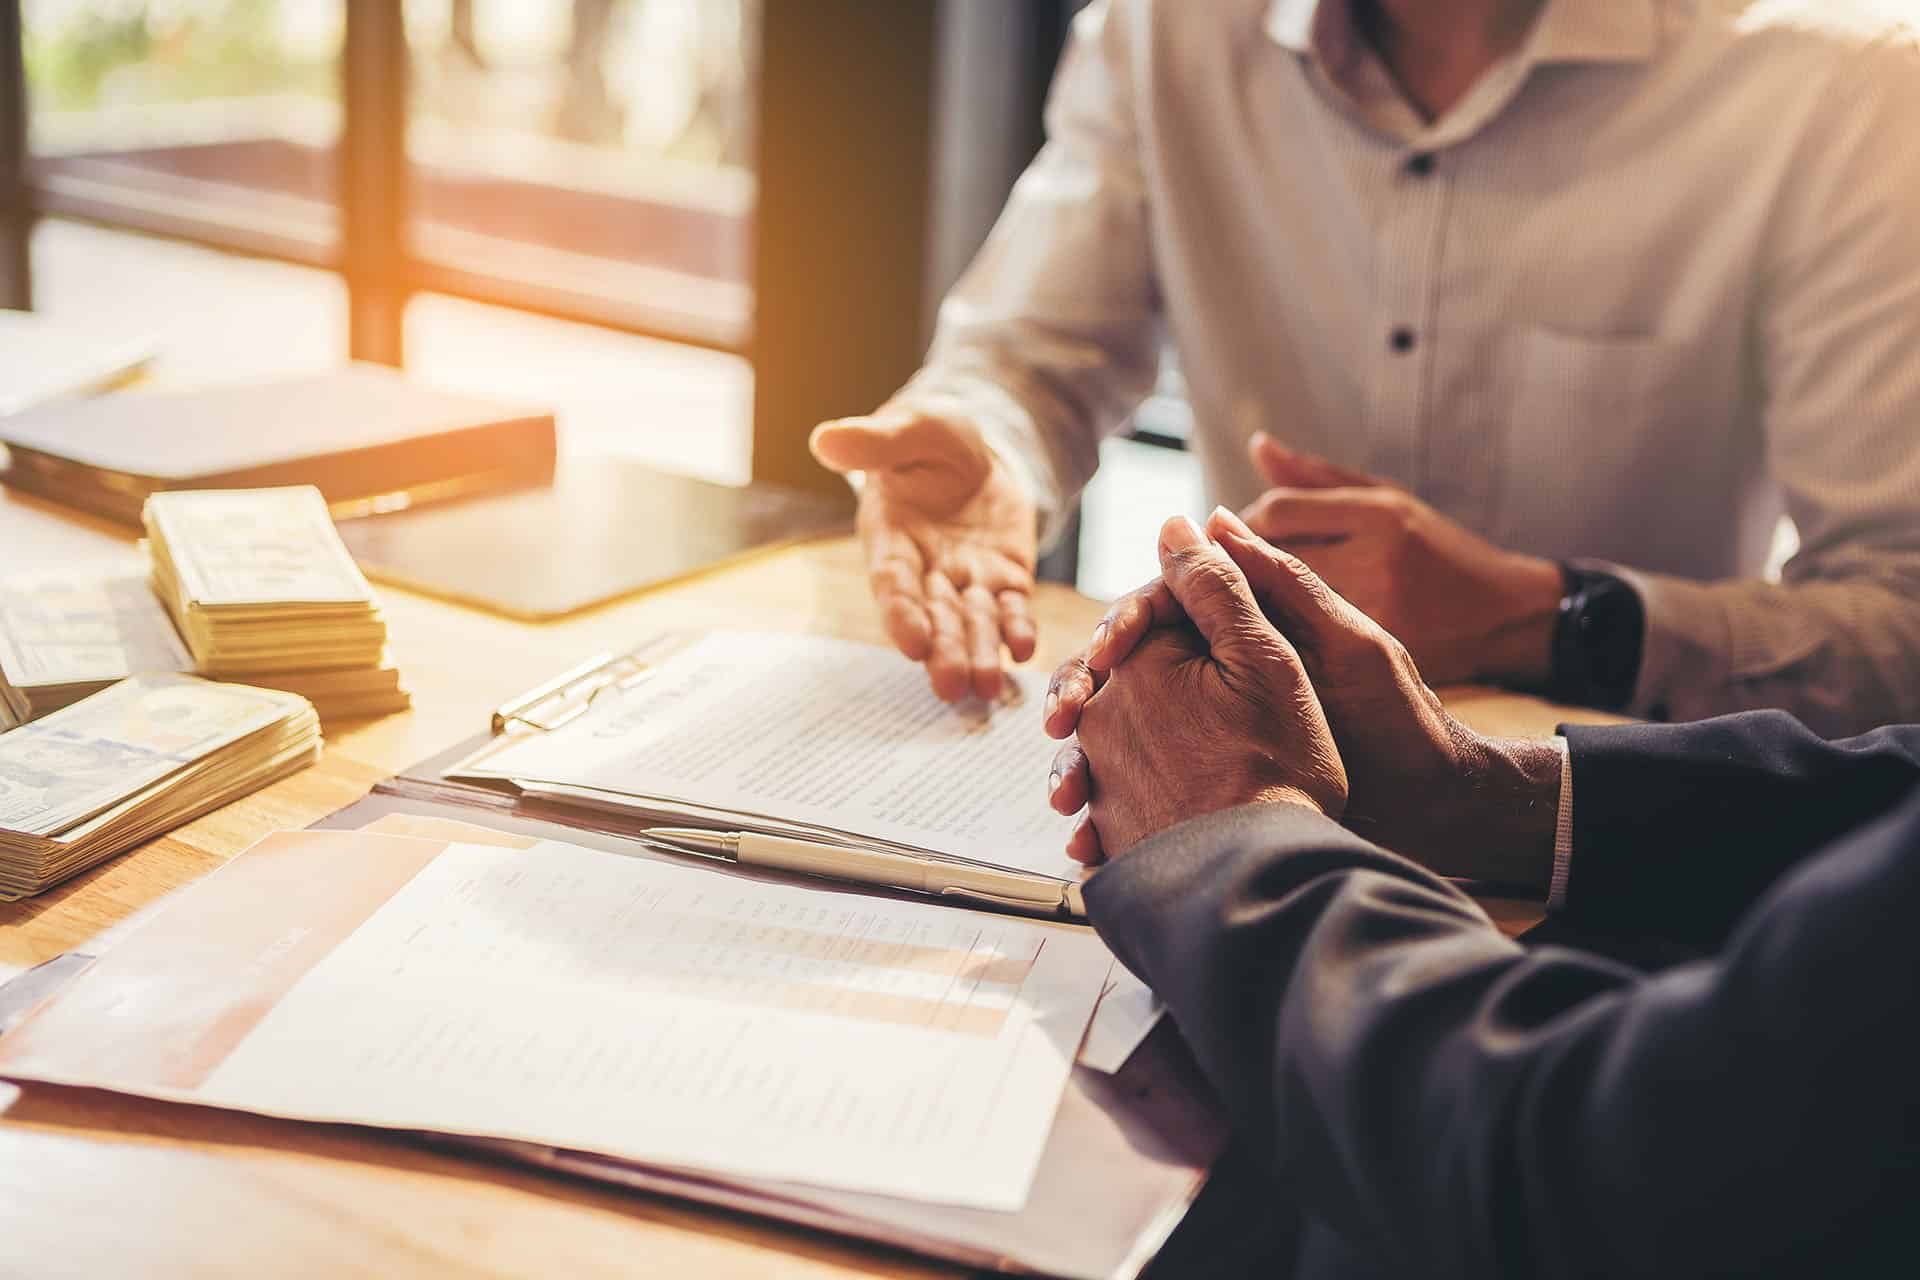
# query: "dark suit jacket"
1439, 1101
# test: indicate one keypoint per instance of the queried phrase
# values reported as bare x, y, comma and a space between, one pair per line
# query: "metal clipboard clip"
570, 695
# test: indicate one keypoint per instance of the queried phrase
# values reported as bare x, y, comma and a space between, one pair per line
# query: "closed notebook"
357, 433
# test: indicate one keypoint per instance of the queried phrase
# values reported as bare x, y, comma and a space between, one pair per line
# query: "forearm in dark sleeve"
1458, 1106
1678, 829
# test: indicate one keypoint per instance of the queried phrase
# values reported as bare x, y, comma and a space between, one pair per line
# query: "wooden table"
96, 1185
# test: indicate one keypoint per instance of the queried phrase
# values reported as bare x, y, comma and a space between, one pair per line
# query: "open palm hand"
950, 544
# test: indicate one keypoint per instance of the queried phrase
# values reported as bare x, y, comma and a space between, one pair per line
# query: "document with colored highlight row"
678, 1016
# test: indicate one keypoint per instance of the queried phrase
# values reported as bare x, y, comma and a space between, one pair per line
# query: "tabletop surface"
91, 1184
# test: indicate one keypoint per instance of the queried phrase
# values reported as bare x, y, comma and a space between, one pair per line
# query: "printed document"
677, 1016
811, 736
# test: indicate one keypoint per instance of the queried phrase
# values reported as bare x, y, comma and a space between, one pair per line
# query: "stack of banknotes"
67, 635
122, 766
265, 593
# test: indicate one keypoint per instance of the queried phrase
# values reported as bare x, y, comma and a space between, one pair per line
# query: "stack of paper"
813, 738
122, 766
64, 637
264, 592
678, 1016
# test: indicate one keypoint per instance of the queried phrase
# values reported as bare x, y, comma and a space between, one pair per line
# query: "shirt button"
1421, 164
1401, 340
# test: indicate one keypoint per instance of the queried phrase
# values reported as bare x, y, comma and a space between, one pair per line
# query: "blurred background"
581, 157
694, 227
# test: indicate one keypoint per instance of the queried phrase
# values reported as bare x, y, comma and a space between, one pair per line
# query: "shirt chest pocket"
1598, 445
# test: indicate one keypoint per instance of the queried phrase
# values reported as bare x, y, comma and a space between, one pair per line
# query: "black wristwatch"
1597, 639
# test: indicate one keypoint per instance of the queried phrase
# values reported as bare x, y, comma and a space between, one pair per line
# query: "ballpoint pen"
1035, 893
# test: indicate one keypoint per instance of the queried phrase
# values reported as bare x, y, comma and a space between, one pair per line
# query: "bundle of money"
264, 592
124, 765
64, 636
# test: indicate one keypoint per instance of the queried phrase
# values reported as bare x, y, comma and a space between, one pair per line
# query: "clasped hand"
1211, 709
1239, 676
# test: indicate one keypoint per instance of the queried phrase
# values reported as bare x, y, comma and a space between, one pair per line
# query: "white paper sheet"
671, 1015
805, 729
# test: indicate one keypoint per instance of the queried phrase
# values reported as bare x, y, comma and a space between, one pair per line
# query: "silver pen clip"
1030, 906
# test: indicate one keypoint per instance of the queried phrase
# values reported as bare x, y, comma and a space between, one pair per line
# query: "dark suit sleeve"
1678, 829
1457, 1106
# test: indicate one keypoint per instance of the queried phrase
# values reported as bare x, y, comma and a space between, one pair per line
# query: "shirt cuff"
1562, 831
1687, 648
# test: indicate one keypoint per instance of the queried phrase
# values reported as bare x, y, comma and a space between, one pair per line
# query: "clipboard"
559, 702
545, 708
571, 694
1128, 1154
1126, 1158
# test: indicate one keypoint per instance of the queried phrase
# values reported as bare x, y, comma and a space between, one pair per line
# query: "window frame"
870, 166
16, 200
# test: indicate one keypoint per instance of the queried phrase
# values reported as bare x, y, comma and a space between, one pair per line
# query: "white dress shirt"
1562, 831
1655, 280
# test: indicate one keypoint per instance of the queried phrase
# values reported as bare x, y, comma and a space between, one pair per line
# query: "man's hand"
1207, 714
950, 543
1469, 610
1422, 783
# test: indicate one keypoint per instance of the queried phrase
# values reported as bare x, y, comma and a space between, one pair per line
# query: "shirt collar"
1568, 31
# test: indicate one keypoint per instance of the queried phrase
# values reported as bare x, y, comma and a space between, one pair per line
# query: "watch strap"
1598, 638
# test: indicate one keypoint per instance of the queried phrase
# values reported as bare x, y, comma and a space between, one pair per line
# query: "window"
591, 157
217, 317
216, 117
613, 394
742, 190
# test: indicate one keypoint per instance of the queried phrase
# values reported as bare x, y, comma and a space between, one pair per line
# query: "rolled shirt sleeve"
1052, 337
1837, 641
1153, 204
1562, 831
